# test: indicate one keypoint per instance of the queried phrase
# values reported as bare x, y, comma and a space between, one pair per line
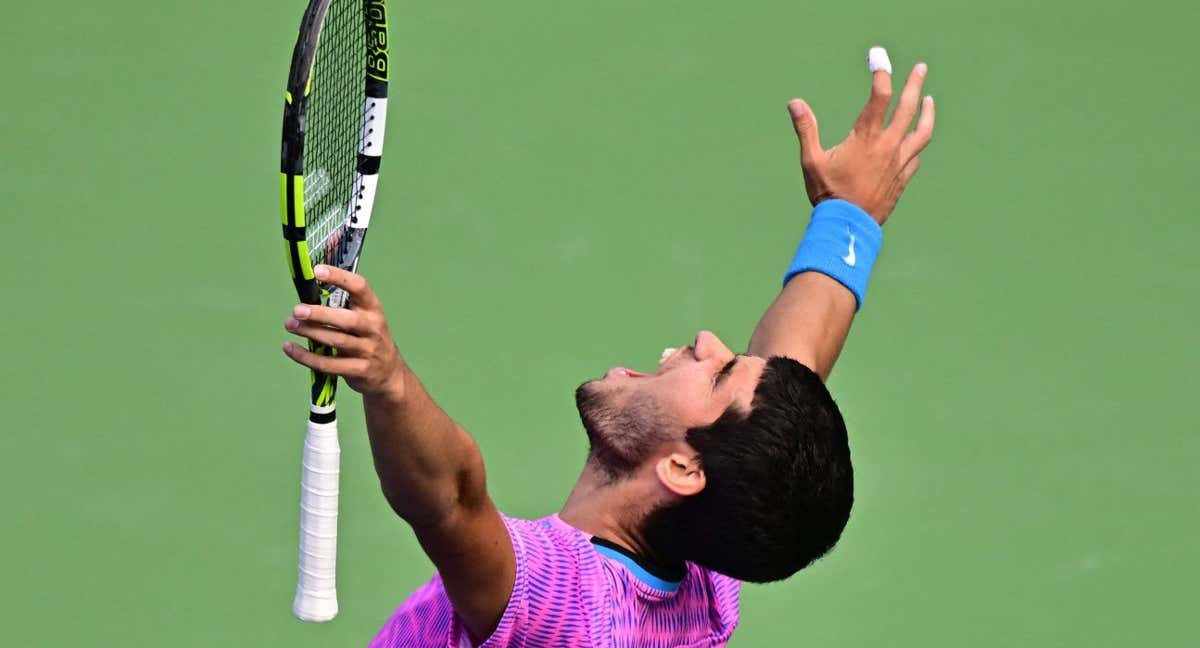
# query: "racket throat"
324, 390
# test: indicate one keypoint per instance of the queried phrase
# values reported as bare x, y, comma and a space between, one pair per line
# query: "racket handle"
316, 585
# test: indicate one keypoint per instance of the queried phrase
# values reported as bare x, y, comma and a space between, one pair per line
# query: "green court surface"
570, 186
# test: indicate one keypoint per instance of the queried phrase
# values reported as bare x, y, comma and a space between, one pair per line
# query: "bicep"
473, 553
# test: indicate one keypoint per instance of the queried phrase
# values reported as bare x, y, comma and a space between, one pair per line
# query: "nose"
708, 346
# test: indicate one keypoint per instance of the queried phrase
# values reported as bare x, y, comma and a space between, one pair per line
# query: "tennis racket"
333, 123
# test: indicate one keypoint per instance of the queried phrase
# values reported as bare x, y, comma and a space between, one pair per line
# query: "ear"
681, 473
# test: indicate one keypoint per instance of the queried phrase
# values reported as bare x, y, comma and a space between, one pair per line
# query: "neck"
611, 510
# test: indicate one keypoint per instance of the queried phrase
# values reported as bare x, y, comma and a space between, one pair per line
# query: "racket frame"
316, 590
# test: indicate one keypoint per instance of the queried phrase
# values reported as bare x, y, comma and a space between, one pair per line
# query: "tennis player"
715, 469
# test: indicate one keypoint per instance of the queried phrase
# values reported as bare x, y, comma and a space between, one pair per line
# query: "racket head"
334, 119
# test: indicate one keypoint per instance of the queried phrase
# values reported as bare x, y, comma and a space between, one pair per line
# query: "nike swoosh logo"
850, 258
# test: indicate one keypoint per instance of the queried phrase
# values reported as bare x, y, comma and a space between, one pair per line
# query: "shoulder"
723, 587
549, 552
547, 538
558, 596
555, 600
723, 597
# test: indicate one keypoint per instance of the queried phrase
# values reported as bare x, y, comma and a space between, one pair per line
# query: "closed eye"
724, 372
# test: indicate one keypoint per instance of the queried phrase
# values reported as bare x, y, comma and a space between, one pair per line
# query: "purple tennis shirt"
571, 592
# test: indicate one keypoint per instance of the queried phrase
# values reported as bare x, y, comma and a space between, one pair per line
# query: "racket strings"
335, 110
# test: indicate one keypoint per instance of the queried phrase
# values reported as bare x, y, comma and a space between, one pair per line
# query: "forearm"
428, 465
808, 322
826, 284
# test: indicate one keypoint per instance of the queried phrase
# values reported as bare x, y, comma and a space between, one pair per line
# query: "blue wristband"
841, 242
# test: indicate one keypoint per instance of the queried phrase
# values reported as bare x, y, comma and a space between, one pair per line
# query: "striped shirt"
570, 592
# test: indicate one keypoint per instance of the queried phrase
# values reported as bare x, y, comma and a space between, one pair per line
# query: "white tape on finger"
877, 59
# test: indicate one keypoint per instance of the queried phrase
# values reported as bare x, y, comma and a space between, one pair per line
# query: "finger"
345, 343
871, 118
332, 365
916, 141
906, 108
910, 170
361, 295
340, 318
805, 123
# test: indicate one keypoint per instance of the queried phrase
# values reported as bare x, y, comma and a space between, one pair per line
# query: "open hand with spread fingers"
872, 166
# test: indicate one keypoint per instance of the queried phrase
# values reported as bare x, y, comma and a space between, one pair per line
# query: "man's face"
630, 415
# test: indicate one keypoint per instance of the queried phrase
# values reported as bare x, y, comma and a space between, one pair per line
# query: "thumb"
805, 123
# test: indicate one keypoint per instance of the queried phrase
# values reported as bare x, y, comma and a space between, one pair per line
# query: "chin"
590, 401
622, 432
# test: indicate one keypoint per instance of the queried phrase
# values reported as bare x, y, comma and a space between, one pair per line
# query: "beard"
621, 436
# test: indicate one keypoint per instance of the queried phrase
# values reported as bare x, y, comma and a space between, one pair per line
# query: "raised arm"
429, 468
811, 317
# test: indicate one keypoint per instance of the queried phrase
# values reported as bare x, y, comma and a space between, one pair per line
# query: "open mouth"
624, 372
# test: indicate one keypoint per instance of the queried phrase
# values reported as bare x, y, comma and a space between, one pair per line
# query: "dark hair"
779, 483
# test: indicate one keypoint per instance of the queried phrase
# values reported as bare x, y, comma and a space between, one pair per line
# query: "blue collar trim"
637, 570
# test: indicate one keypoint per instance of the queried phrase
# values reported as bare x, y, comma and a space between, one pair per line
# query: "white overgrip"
316, 585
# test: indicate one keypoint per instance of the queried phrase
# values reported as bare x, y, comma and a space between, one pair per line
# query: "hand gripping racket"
333, 123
